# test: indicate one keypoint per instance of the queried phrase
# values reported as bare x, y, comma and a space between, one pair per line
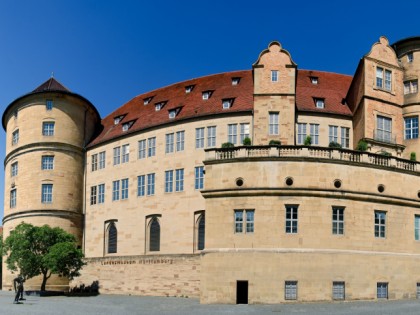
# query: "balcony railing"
384, 136
311, 152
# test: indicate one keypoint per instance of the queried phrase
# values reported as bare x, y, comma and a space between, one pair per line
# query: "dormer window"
159, 106
174, 112
117, 119
189, 88
206, 95
410, 57
319, 102
235, 81
314, 80
127, 125
147, 100
227, 103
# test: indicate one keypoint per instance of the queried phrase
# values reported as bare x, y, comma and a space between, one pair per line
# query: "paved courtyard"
131, 305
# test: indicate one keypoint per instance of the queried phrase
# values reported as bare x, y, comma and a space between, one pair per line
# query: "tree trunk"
44, 281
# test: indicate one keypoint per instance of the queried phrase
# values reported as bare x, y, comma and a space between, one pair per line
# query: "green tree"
43, 250
308, 140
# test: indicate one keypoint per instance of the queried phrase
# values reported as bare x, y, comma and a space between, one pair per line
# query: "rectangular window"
410, 57
314, 132
291, 219
180, 139
417, 227
15, 137
380, 224
382, 290
338, 290
379, 77
46, 195
169, 181
125, 153
93, 195
199, 177
333, 134
115, 190
244, 132
388, 80
179, 180
117, 154
383, 78
240, 217
94, 162
211, 136
124, 188
49, 104
337, 221
319, 103
410, 87
14, 169
411, 127
383, 129
345, 137
102, 157
101, 193
301, 133
48, 128
290, 290
47, 162
141, 184
273, 124
142, 149
232, 133
150, 184
13, 198
169, 143
418, 290
199, 138
274, 75
151, 142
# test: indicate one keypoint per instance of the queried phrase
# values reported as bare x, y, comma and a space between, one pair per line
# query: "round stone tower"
46, 134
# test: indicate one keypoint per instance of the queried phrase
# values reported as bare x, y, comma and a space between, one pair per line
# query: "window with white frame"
273, 127
291, 219
151, 150
211, 136
226, 103
125, 153
244, 221
47, 162
48, 128
301, 132
117, 119
124, 189
102, 157
93, 195
290, 290
15, 137
314, 80
199, 138
179, 179
49, 104
274, 75
101, 193
127, 125
380, 224
411, 127
117, 155
314, 132
14, 169
180, 140
345, 137
337, 220
169, 181
94, 162
13, 194
382, 290
115, 190
151, 184
189, 88
199, 177
173, 113
141, 185
232, 133
142, 149
383, 78
206, 95
235, 81
383, 129
169, 143
47, 193
338, 290
147, 100
417, 227
333, 134
243, 132
410, 87
319, 102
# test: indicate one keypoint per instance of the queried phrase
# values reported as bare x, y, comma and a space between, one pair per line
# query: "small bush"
413, 156
274, 142
384, 153
308, 140
247, 141
228, 145
334, 144
362, 146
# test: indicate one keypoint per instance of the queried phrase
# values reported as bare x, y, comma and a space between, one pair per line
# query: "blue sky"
111, 51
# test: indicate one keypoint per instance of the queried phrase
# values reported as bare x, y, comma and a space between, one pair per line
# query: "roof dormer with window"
147, 100
206, 94
174, 112
159, 106
127, 125
227, 103
117, 119
189, 88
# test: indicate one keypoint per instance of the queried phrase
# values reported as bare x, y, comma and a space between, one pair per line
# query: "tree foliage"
43, 250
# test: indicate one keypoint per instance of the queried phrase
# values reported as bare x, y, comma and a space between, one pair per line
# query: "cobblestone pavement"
131, 305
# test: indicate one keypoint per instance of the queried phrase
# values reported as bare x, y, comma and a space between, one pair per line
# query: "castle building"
267, 185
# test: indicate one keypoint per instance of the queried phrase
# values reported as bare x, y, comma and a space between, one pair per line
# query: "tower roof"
51, 85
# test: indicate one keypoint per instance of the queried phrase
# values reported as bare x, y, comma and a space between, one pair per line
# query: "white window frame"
102, 160
199, 177
179, 180
332, 134
48, 128
290, 290
337, 220
141, 185
13, 198
273, 123
15, 137
14, 169
115, 190
169, 143
243, 132
274, 76
345, 137
232, 133
124, 189
47, 193
417, 227
169, 181
411, 87
47, 162
314, 132
151, 146
384, 128
125, 154
150, 184
117, 155
380, 224
142, 149
180, 140
211, 136
101, 193
301, 133
319, 103
49, 104
199, 138
244, 221
291, 222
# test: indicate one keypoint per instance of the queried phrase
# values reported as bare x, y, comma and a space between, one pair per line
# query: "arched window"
201, 232
112, 238
154, 240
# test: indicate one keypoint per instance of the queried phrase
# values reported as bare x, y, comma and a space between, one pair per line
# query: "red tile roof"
332, 87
